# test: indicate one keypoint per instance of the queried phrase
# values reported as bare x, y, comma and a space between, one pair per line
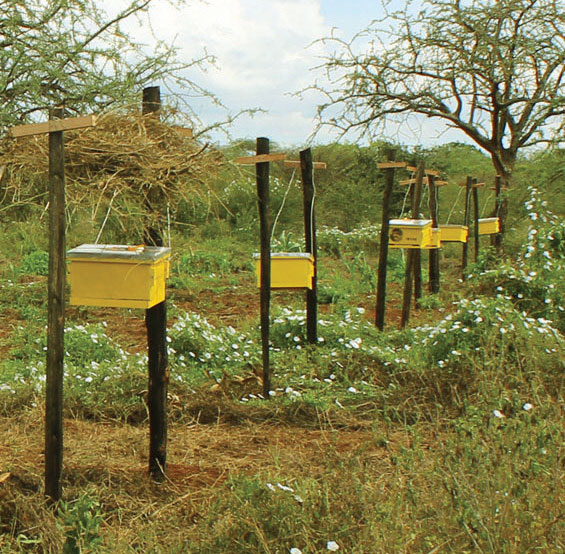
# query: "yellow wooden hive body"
289, 270
409, 233
489, 226
454, 233
118, 275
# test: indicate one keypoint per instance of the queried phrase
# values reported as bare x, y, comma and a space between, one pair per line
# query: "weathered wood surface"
156, 326
380, 309
54, 125
262, 177
260, 158
308, 196
55, 317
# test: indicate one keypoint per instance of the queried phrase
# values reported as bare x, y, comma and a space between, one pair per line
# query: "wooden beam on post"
262, 176
475, 192
307, 170
298, 163
389, 168
411, 255
417, 253
55, 316
496, 239
433, 270
466, 218
156, 325
54, 125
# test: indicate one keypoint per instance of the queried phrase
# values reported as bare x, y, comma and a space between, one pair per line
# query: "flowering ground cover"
443, 437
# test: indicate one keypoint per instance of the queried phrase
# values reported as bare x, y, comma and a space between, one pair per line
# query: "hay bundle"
127, 162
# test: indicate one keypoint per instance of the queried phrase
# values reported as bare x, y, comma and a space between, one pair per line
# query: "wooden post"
411, 254
383, 246
497, 237
434, 276
156, 325
262, 176
417, 254
476, 218
465, 249
308, 191
55, 316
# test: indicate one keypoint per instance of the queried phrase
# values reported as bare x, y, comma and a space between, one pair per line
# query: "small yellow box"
435, 240
409, 233
118, 275
289, 270
453, 233
489, 226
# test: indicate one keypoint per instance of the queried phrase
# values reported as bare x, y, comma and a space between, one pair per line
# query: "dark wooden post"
417, 254
476, 218
497, 237
434, 276
262, 175
55, 316
308, 191
383, 246
467, 217
411, 254
156, 325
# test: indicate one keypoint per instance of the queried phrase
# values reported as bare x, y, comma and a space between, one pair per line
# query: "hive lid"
410, 222
119, 252
306, 255
452, 226
488, 219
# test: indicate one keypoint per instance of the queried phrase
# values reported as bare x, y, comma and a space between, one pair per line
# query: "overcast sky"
266, 51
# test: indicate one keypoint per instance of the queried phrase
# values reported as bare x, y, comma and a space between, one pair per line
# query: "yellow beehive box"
453, 233
435, 240
118, 275
489, 226
409, 233
289, 270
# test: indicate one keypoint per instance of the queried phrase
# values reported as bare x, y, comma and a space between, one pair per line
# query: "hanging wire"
169, 224
106, 216
282, 203
454, 204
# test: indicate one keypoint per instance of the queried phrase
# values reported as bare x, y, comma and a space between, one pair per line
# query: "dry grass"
126, 161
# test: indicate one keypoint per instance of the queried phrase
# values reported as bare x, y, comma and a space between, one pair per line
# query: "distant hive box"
489, 226
453, 233
289, 270
118, 275
435, 240
409, 233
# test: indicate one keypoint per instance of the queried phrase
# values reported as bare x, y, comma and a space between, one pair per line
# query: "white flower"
527, 407
497, 414
352, 389
332, 546
295, 550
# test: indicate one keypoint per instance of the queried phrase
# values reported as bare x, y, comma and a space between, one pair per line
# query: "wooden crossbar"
260, 158
426, 171
54, 125
296, 163
391, 165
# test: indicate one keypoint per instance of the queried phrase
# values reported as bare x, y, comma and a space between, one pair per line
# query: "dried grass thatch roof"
126, 156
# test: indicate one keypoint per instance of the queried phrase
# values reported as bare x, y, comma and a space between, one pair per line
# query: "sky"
265, 52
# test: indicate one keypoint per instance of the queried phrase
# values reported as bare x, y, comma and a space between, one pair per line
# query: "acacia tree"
73, 51
492, 69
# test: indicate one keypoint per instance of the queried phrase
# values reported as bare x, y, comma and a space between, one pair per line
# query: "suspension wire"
282, 203
453, 205
106, 216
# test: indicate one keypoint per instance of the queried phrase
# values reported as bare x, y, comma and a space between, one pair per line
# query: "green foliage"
80, 522
53, 52
36, 263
